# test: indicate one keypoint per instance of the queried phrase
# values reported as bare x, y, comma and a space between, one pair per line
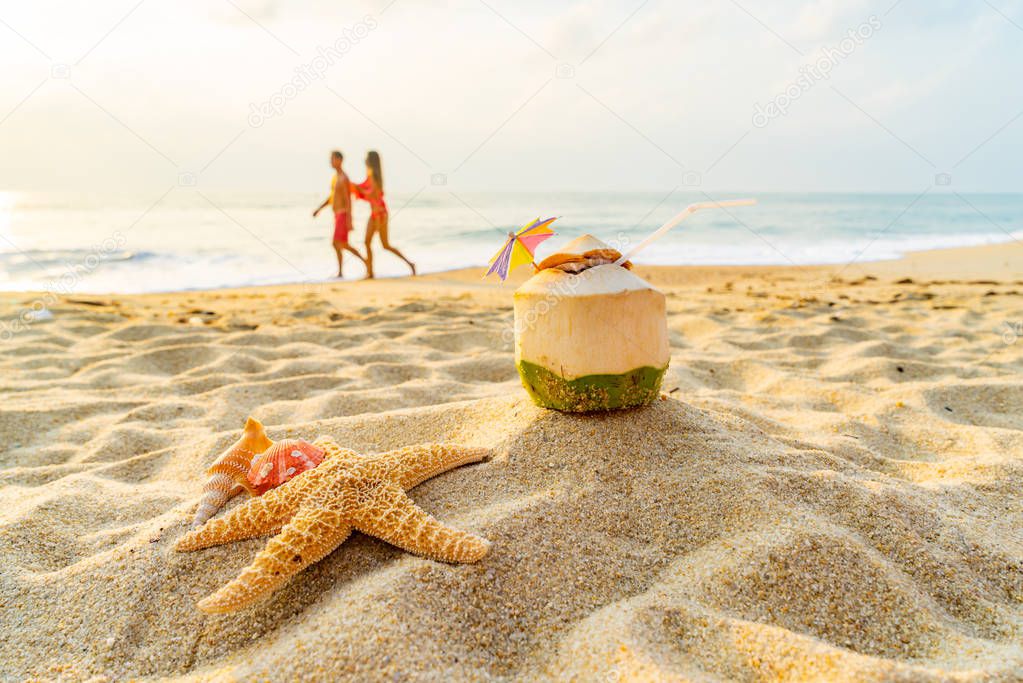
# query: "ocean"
189, 239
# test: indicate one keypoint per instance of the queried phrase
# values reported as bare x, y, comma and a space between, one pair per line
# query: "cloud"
827, 20
244, 11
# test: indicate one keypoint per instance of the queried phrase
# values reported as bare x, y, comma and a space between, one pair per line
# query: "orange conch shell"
228, 472
281, 462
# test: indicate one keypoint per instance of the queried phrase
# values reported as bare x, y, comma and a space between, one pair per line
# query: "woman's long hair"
373, 164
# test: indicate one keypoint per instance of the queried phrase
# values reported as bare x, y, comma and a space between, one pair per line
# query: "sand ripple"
831, 490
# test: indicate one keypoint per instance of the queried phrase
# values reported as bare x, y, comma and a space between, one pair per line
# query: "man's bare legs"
379, 224
340, 248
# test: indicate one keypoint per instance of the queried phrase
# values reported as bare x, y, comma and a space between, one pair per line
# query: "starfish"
317, 510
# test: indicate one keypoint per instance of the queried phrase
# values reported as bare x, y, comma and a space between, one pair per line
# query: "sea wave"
184, 244
47, 260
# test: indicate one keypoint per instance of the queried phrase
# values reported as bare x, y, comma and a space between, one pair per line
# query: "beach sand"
829, 488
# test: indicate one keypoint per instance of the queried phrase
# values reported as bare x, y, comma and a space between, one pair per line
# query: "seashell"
281, 462
228, 472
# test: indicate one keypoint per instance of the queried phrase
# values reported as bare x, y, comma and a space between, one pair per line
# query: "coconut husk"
576, 263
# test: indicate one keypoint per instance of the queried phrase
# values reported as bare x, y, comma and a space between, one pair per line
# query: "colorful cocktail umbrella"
520, 247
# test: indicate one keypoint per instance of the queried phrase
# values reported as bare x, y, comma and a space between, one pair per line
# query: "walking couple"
340, 200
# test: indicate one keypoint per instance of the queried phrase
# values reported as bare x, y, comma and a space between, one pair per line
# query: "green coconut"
595, 339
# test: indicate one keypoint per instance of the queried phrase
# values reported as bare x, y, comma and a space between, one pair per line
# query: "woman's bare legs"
371, 228
340, 248
382, 227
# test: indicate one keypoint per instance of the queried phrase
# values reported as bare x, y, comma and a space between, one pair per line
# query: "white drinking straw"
692, 208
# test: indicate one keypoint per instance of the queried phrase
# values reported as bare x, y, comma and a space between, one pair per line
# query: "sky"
494, 95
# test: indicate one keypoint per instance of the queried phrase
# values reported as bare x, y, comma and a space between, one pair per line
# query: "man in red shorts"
340, 200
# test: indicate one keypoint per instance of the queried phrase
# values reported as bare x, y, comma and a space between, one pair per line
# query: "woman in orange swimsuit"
372, 190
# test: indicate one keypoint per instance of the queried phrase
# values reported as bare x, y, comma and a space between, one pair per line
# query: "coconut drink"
589, 334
